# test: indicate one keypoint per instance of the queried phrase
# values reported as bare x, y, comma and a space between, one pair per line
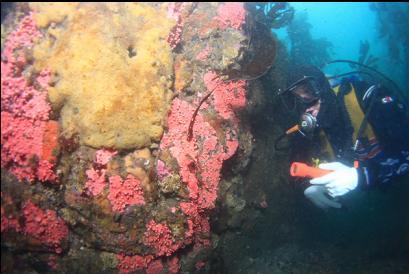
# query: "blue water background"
345, 25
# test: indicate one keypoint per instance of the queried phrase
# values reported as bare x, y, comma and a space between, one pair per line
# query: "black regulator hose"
350, 73
277, 142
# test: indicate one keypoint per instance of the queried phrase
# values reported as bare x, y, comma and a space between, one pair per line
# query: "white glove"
317, 195
342, 180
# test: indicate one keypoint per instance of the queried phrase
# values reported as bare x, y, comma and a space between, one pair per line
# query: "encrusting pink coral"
200, 156
9, 223
129, 264
124, 193
44, 226
24, 35
22, 148
96, 181
228, 96
103, 156
200, 161
173, 265
187, 153
28, 138
155, 267
45, 171
175, 11
159, 237
96, 175
231, 15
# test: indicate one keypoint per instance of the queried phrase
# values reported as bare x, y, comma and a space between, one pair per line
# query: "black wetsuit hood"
332, 117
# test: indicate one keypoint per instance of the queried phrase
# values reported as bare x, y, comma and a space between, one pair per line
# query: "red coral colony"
29, 139
28, 136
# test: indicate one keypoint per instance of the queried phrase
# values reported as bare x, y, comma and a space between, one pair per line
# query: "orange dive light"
298, 169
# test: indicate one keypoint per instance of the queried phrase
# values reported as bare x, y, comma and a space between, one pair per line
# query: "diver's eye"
304, 94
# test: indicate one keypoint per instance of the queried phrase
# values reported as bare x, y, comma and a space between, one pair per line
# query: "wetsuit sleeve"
383, 168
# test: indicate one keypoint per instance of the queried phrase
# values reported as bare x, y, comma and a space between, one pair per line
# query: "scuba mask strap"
297, 83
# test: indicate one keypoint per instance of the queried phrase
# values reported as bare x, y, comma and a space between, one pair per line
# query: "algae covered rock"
112, 70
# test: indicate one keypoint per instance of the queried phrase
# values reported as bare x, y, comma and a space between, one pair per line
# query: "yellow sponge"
113, 70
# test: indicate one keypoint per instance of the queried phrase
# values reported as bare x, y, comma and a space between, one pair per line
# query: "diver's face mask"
305, 90
307, 94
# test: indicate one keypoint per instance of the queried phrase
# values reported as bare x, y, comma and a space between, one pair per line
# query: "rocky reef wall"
121, 124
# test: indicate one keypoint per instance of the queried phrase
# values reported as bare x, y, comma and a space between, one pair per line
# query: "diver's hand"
317, 195
342, 180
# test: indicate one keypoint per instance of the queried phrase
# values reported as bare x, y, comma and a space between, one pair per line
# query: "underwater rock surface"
108, 165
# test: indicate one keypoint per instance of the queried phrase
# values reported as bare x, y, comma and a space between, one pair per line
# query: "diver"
362, 129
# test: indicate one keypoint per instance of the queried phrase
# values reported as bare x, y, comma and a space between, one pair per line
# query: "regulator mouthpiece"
307, 123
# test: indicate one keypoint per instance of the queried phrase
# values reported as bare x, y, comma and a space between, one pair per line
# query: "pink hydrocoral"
45, 171
125, 192
200, 161
103, 156
17, 96
231, 15
175, 35
195, 160
96, 181
96, 175
25, 110
198, 224
24, 35
132, 263
8, 222
159, 237
175, 11
154, 267
200, 158
22, 148
228, 96
44, 226
173, 265
193, 211
22, 100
